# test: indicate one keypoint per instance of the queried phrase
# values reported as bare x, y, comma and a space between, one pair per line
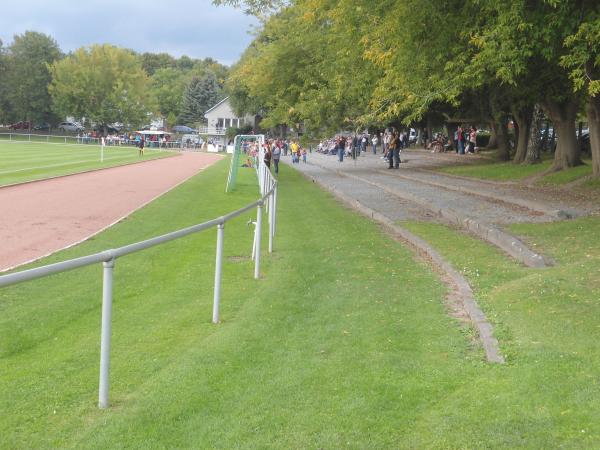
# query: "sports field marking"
37, 160
64, 164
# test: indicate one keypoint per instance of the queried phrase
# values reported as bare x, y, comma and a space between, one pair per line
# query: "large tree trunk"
534, 146
563, 116
500, 128
493, 142
523, 117
593, 116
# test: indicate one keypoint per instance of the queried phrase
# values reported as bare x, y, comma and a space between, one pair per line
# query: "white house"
221, 117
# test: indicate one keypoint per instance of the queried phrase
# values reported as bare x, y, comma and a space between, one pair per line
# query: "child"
304, 155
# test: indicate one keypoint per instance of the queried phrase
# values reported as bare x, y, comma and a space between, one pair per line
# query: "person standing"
294, 147
341, 148
276, 156
142, 142
374, 143
267, 156
394, 151
460, 140
472, 139
386, 143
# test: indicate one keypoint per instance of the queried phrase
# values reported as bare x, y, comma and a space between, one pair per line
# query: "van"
412, 136
70, 126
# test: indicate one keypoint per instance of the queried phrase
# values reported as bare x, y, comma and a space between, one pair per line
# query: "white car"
70, 126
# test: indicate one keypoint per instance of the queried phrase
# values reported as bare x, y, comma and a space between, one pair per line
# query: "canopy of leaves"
301, 69
102, 83
200, 95
25, 66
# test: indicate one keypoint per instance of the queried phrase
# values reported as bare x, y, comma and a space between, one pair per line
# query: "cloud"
195, 28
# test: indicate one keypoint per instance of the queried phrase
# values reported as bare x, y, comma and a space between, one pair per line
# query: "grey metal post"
270, 223
218, 266
258, 230
275, 209
107, 288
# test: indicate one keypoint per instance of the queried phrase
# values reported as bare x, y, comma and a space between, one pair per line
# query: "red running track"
42, 217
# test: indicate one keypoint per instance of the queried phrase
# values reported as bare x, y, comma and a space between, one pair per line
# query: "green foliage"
151, 62
170, 78
167, 87
200, 95
5, 108
28, 76
256, 7
303, 68
102, 83
583, 59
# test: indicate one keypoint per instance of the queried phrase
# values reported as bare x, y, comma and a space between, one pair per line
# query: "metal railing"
109, 257
87, 140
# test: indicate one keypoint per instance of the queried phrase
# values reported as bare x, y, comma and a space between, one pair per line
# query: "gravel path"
483, 208
42, 217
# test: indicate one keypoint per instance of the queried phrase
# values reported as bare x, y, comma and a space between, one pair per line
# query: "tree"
200, 95
151, 62
256, 7
167, 87
583, 63
5, 108
102, 83
28, 76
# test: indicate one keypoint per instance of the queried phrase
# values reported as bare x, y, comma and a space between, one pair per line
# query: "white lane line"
62, 164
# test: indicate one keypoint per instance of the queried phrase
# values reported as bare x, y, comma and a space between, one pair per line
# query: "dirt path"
40, 218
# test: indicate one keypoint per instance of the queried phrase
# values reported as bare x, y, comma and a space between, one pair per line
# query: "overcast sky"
194, 27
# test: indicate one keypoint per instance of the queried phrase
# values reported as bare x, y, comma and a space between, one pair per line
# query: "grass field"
24, 161
343, 343
508, 171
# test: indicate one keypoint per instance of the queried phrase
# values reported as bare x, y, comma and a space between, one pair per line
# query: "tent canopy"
152, 133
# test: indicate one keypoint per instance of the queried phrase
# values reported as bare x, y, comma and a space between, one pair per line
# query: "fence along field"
22, 160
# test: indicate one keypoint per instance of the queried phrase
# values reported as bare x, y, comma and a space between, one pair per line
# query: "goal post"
239, 141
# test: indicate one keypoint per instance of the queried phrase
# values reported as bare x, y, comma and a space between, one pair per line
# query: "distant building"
221, 117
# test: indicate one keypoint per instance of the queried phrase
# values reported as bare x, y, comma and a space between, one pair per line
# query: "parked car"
412, 136
183, 129
110, 129
70, 126
23, 125
44, 126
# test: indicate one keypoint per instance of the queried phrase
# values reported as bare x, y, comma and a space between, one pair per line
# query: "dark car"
110, 129
24, 125
44, 126
183, 129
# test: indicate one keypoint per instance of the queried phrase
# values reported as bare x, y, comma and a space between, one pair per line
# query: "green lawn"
343, 343
508, 171
25, 161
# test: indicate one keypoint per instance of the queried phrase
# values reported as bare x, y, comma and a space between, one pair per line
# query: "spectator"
341, 148
472, 139
276, 154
